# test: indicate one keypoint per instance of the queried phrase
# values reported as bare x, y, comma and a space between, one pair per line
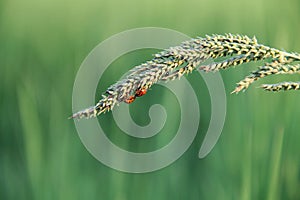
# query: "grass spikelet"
284, 86
267, 70
177, 61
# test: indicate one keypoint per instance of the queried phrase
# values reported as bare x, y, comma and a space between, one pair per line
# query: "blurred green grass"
41, 157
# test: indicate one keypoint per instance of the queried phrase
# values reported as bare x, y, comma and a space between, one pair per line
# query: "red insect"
130, 99
140, 92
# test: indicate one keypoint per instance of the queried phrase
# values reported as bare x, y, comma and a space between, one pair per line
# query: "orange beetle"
140, 92
130, 99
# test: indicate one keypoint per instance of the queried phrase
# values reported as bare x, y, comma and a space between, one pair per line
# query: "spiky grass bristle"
177, 61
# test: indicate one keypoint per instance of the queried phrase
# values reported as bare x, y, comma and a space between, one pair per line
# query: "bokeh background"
43, 43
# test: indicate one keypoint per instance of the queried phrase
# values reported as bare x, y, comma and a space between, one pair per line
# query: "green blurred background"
43, 43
